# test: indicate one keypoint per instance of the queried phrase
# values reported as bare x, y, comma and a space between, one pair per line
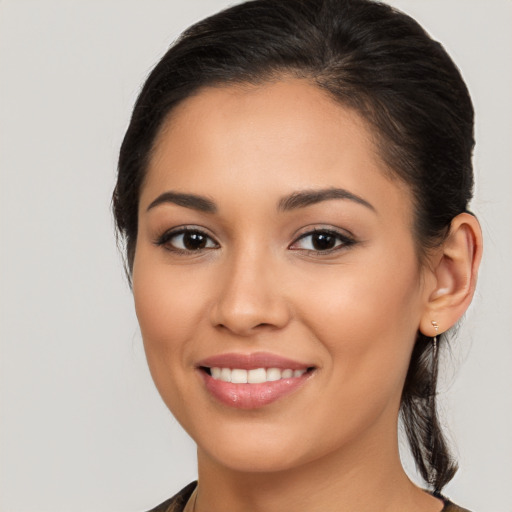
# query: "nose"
250, 296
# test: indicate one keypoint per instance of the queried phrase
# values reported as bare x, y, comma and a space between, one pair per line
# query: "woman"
293, 191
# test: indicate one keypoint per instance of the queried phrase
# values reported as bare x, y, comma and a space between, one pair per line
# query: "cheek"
366, 323
367, 319
169, 310
167, 301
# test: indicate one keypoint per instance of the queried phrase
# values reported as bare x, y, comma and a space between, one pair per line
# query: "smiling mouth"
252, 381
253, 388
253, 376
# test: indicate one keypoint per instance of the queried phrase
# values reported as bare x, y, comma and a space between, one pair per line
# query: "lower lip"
252, 396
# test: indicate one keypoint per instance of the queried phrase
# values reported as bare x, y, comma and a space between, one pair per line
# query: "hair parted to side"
365, 55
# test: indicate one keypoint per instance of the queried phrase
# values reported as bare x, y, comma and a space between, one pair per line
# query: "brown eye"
322, 241
188, 240
193, 241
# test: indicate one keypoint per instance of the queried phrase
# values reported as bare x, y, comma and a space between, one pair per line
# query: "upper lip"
252, 361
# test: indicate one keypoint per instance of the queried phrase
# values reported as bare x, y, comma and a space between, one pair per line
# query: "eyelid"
346, 239
162, 239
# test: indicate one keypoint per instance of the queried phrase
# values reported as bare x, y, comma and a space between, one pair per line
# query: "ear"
454, 268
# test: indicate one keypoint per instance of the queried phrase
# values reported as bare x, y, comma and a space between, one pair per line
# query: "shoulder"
177, 502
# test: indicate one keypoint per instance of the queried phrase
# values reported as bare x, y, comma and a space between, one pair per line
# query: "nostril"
245, 327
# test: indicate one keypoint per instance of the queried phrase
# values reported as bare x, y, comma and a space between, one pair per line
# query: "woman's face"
273, 248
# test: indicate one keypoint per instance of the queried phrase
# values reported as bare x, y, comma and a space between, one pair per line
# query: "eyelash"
164, 240
342, 240
345, 241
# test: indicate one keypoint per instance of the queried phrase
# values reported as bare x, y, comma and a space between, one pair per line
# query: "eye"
186, 240
322, 240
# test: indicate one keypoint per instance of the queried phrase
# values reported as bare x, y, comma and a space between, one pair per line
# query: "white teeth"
255, 376
239, 376
273, 374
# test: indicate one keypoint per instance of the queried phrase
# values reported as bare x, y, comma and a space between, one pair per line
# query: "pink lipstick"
254, 380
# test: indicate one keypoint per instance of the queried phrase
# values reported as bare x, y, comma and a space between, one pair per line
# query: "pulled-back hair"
367, 56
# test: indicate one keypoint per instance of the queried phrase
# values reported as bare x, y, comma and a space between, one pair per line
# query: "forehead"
255, 140
281, 118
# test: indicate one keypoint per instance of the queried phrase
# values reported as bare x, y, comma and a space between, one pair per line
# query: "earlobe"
455, 271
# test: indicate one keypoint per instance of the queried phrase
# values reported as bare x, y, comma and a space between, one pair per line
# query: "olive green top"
177, 503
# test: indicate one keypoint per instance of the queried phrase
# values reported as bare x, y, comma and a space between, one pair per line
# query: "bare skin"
261, 281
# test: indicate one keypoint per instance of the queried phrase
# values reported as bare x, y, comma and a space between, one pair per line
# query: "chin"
255, 459
259, 447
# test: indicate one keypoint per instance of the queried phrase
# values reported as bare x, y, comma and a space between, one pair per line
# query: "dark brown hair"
365, 55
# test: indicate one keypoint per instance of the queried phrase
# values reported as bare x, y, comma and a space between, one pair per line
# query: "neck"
359, 478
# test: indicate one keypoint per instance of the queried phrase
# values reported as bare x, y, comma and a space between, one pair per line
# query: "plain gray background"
82, 426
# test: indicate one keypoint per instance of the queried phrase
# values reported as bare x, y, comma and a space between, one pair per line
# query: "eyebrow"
192, 201
293, 201
309, 197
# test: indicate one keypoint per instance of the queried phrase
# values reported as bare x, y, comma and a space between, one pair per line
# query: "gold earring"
436, 328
